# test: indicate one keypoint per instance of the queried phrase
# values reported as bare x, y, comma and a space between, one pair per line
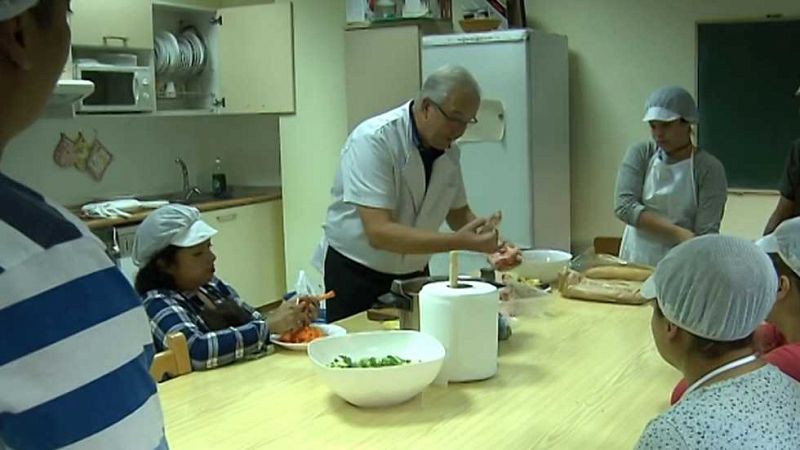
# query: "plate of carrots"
299, 339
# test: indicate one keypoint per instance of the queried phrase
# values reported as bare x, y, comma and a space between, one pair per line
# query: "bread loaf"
618, 273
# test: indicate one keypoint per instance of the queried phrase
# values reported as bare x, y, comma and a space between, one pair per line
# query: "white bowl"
328, 328
542, 264
382, 386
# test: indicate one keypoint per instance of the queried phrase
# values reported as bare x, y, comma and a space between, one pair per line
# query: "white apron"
669, 191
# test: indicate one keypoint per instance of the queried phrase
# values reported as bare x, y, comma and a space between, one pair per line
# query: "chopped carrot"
303, 335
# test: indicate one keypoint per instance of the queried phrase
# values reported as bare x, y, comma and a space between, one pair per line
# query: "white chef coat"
381, 168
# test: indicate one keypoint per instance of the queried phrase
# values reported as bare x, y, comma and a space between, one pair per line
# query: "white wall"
311, 139
620, 50
144, 150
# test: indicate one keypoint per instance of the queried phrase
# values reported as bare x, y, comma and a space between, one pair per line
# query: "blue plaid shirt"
173, 311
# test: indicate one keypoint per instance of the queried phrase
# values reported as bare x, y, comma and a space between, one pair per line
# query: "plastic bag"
119, 208
573, 284
305, 287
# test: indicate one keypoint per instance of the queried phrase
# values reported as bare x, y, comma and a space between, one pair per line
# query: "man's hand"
470, 239
288, 317
492, 223
506, 258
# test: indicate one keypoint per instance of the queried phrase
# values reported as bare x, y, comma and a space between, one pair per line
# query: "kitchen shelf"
428, 25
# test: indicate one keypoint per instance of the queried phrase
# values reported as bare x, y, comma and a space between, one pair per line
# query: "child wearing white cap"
711, 293
76, 349
181, 293
667, 190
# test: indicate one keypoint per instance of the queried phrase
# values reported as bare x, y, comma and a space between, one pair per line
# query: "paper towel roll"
464, 320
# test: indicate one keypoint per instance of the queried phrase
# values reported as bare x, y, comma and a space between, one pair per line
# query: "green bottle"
219, 184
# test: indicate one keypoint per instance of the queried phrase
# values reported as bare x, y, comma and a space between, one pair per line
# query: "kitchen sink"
179, 197
194, 199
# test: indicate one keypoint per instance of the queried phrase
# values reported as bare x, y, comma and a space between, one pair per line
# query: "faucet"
188, 190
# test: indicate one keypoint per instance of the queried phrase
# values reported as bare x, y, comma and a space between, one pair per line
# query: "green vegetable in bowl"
346, 362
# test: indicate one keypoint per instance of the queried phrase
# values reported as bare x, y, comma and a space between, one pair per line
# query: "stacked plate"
180, 55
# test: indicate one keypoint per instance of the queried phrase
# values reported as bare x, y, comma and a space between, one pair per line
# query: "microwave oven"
117, 88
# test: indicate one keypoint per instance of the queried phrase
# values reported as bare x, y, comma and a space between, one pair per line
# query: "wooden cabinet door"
256, 59
116, 24
383, 70
249, 249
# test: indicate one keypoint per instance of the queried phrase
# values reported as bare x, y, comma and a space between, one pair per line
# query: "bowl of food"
543, 265
380, 368
299, 339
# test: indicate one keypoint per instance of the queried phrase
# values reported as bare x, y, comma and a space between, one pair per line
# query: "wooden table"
575, 375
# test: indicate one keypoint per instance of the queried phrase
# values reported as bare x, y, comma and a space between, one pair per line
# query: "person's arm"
661, 434
628, 190
787, 203
458, 218
712, 194
783, 210
657, 224
206, 350
628, 206
386, 234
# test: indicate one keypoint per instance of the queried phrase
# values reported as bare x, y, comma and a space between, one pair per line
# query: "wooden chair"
607, 244
172, 362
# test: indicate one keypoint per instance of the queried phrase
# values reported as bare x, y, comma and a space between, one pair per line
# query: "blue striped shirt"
75, 349
172, 311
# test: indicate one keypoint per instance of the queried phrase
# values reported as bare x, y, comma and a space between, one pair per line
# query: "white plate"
329, 330
172, 51
186, 55
198, 50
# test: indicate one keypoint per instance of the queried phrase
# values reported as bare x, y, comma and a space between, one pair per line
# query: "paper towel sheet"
491, 124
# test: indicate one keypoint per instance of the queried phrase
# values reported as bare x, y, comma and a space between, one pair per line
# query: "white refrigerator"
517, 158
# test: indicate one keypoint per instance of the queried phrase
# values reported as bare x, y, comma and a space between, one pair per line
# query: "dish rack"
185, 51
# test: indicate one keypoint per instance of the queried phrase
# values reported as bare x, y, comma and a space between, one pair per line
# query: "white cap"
785, 241
172, 224
670, 103
716, 287
13, 8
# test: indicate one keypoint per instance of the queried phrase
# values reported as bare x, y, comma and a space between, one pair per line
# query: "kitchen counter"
239, 196
574, 375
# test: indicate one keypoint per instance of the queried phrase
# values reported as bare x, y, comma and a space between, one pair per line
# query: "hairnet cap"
785, 241
670, 103
716, 287
13, 8
177, 225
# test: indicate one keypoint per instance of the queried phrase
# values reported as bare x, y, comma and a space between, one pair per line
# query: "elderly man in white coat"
399, 180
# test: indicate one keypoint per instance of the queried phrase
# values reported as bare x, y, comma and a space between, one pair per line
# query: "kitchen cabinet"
114, 24
249, 249
250, 59
383, 66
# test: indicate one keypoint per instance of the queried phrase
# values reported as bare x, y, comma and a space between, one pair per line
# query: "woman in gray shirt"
668, 191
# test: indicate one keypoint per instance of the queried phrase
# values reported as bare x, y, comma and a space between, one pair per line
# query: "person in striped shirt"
75, 350
181, 294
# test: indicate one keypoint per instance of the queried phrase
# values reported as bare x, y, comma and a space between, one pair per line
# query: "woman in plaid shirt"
181, 294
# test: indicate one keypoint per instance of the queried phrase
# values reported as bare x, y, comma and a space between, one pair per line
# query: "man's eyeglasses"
457, 120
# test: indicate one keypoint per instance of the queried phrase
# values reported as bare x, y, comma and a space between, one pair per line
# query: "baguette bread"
618, 273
